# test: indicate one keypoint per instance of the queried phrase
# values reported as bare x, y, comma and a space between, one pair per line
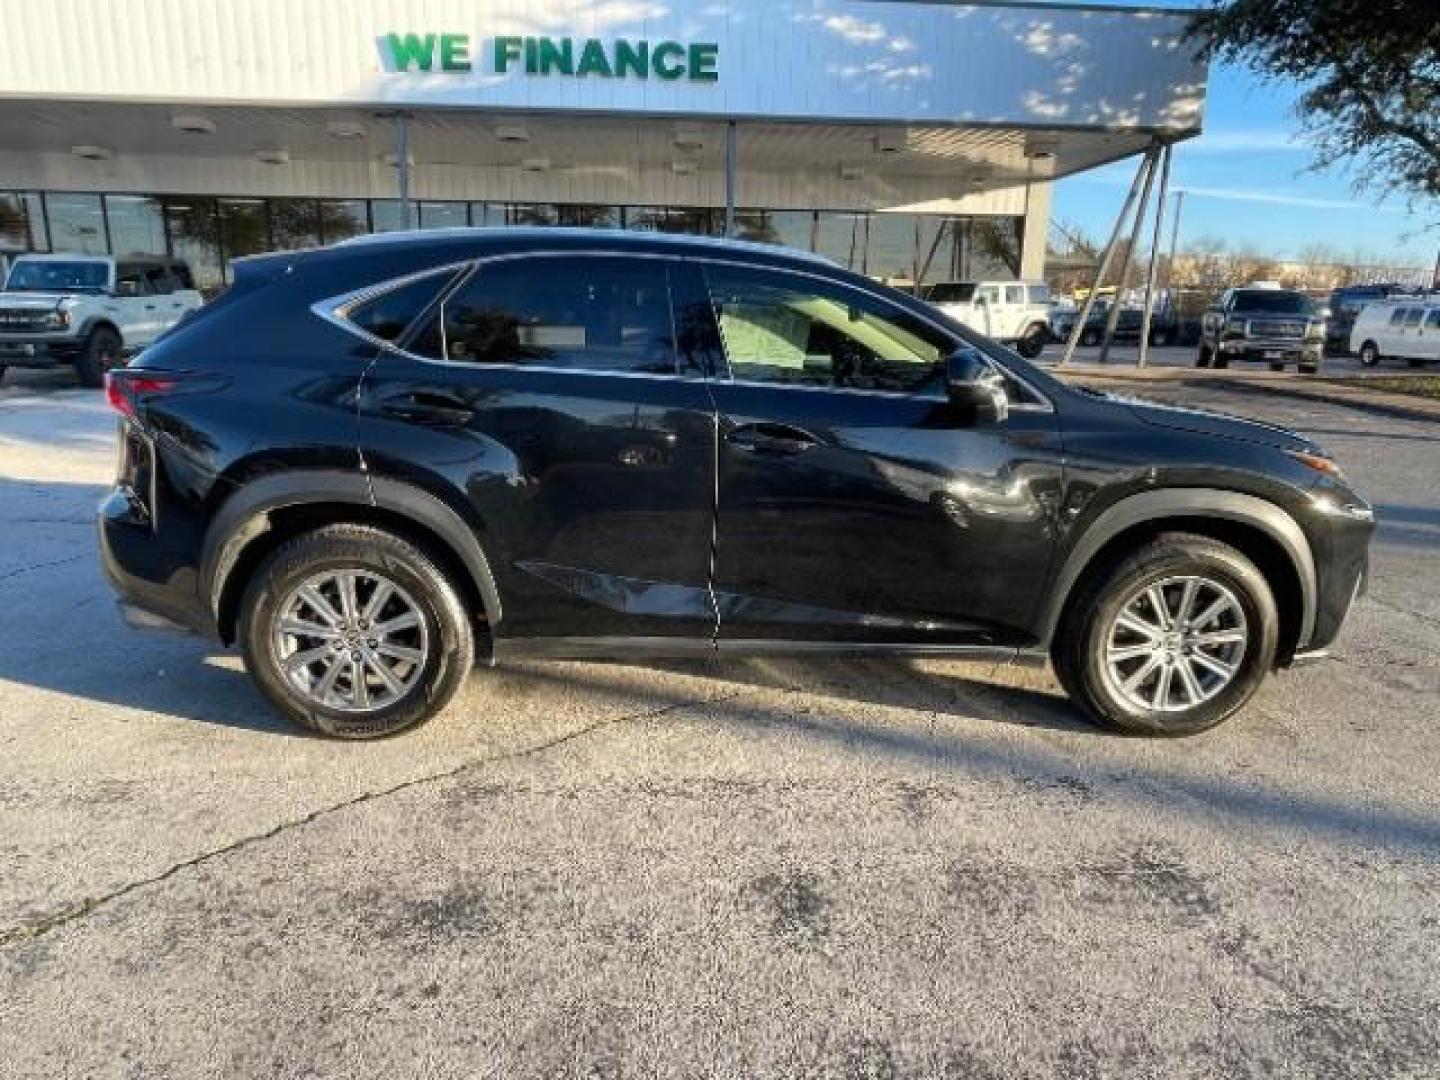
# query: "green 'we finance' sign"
587, 58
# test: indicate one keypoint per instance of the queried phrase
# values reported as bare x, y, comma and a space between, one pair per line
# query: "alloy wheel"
1176, 643
351, 640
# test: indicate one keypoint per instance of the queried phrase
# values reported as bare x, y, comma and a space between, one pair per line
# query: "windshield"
50, 275
950, 292
1273, 301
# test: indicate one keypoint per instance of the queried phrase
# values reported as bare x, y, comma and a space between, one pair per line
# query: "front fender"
1156, 506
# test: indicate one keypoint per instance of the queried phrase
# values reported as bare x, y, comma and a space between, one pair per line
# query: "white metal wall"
804, 59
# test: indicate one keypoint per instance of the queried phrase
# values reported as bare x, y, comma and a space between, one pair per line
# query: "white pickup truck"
1014, 312
89, 311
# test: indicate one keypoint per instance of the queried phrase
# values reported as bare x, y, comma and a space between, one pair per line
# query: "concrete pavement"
797, 868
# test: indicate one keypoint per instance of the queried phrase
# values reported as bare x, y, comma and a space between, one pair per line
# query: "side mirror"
975, 387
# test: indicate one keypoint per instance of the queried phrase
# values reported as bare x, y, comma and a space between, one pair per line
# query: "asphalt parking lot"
800, 868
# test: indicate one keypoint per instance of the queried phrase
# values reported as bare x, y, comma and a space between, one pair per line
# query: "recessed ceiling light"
689, 137
92, 153
193, 125
851, 172
512, 133
273, 156
536, 164
345, 129
684, 167
889, 143
394, 159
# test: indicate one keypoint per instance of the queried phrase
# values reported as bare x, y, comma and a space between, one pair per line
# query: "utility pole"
1174, 243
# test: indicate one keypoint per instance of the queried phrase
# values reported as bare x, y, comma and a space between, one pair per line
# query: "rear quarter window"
389, 314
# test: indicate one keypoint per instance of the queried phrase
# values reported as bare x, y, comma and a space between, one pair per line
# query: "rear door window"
589, 313
1413, 316
131, 280
1014, 294
1433, 319
1397, 317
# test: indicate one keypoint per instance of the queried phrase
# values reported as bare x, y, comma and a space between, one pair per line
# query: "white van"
1406, 328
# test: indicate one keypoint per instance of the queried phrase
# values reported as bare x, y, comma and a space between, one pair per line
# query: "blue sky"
1245, 181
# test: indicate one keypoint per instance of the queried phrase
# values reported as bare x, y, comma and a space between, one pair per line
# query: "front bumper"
38, 352
1285, 351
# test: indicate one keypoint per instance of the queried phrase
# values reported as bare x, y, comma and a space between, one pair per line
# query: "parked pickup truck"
1262, 323
89, 311
1014, 312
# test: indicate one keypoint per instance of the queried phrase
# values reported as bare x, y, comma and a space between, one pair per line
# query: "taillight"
125, 387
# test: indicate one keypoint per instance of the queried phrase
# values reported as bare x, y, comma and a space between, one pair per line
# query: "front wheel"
355, 632
100, 354
1032, 342
1203, 357
1090, 337
1369, 354
1171, 640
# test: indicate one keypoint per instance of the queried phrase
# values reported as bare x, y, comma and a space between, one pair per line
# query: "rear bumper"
153, 593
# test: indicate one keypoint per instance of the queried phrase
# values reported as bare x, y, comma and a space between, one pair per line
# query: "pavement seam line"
30, 931
41, 566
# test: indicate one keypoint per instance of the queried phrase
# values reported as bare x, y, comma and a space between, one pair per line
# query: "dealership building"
906, 139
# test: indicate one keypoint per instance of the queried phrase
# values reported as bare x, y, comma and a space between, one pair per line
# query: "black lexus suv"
371, 464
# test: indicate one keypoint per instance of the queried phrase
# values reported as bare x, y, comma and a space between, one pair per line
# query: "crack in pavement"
42, 566
37, 928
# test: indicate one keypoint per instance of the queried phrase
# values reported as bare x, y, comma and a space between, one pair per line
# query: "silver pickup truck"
89, 311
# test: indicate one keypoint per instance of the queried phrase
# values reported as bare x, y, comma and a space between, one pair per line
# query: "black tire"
1159, 338
448, 642
1090, 337
1032, 342
1369, 354
3, 370
1277, 365
1220, 361
1204, 357
100, 353
1310, 369
1080, 646
1415, 361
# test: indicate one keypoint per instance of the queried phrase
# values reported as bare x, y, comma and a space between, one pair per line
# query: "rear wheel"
1369, 354
1276, 365
1160, 338
1415, 361
1170, 640
355, 632
1032, 342
1090, 337
1204, 357
100, 353
1310, 369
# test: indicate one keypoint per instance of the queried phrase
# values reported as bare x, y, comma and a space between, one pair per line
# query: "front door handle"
432, 410
778, 439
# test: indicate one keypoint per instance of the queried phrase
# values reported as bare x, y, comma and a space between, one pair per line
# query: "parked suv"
1013, 312
1269, 325
369, 465
89, 311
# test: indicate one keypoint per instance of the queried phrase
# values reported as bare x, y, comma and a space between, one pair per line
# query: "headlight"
1235, 326
57, 320
1315, 331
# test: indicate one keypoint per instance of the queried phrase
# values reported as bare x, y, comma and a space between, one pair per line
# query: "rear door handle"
432, 410
777, 439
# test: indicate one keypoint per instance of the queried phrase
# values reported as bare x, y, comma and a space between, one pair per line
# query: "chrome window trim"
332, 310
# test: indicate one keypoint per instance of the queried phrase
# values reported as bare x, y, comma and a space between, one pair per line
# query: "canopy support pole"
1149, 310
730, 167
1112, 317
1104, 267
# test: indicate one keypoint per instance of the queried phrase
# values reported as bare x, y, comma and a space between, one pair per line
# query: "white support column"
1037, 225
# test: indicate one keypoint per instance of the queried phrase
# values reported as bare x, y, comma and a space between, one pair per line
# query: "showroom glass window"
194, 225
340, 219
442, 215
77, 223
137, 224
582, 312
790, 228
799, 330
22, 222
295, 224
